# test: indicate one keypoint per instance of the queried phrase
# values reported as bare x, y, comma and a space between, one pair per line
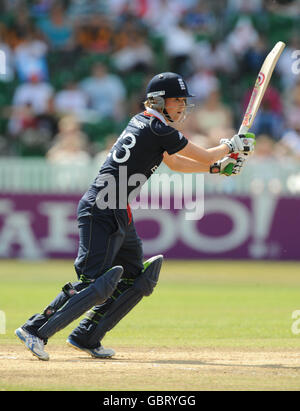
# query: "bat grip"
243, 130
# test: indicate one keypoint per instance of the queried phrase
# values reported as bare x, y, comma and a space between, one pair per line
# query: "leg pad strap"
96, 293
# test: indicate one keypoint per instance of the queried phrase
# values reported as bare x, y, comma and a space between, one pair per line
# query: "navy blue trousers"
106, 238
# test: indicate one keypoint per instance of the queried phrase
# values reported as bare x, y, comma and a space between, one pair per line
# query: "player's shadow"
183, 362
217, 364
205, 363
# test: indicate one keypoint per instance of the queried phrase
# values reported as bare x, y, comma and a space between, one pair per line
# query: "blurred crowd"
74, 72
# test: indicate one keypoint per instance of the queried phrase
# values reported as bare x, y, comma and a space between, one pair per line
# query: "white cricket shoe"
99, 352
33, 343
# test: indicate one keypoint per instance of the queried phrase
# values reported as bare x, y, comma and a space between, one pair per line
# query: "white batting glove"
227, 166
243, 144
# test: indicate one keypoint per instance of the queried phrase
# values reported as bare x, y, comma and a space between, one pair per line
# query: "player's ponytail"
156, 103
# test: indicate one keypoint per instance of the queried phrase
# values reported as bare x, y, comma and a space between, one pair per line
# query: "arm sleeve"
170, 139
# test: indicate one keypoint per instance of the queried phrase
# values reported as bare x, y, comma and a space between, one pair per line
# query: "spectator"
20, 22
95, 34
286, 8
292, 109
47, 122
290, 141
190, 130
31, 134
135, 56
264, 167
214, 56
40, 8
123, 8
82, 10
30, 56
203, 82
8, 71
244, 6
101, 34
71, 100
200, 19
242, 37
106, 93
289, 144
180, 46
264, 148
255, 56
57, 29
34, 92
163, 15
213, 115
70, 145
287, 65
22, 119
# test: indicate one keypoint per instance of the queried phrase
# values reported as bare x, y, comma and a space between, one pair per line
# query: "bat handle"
243, 130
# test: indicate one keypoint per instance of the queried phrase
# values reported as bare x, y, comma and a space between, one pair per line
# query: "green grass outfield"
195, 304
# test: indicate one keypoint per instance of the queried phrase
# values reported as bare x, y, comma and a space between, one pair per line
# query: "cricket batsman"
112, 276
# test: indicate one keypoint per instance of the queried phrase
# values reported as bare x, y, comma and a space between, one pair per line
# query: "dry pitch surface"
158, 369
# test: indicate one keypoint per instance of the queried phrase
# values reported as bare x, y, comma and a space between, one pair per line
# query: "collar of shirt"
156, 114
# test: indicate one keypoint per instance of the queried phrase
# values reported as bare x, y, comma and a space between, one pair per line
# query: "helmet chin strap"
180, 120
167, 115
182, 116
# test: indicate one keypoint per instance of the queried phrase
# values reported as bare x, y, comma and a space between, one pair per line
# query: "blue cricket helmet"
167, 85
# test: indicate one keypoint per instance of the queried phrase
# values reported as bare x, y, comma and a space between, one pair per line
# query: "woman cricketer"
112, 276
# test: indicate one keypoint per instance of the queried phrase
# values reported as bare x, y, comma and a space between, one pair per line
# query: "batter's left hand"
241, 143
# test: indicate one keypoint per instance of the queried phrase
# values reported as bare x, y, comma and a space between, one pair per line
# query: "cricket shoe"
33, 343
99, 352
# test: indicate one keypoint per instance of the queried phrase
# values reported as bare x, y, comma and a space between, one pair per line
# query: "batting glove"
227, 166
240, 143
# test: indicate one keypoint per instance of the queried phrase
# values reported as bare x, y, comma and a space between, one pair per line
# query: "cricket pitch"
155, 369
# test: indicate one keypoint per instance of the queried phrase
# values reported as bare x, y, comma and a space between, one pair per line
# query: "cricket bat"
260, 88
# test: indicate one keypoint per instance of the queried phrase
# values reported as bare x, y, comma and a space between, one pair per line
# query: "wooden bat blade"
260, 86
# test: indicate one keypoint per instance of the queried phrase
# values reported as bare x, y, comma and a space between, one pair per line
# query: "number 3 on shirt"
127, 146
